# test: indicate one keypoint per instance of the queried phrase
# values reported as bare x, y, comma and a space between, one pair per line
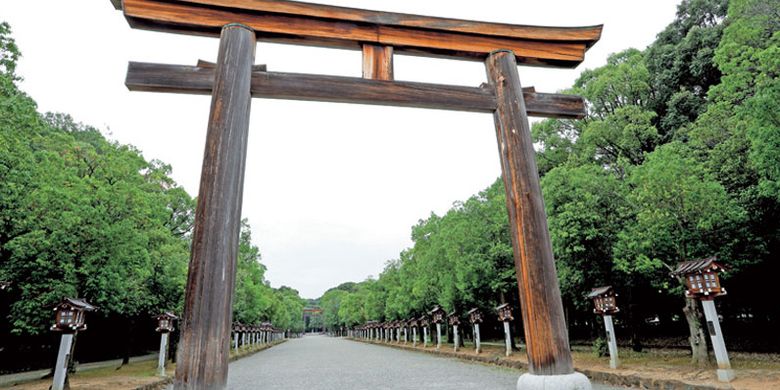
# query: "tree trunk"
635, 321
697, 338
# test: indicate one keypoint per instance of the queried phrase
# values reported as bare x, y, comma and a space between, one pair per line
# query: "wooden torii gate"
203, 351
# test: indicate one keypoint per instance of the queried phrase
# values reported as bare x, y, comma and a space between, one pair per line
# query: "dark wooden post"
377, 62
540, 297
202, 360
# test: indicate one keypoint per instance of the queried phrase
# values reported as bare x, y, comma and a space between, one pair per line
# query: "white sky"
331, 190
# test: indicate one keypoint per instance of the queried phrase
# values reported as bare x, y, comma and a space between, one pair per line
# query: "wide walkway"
324, 363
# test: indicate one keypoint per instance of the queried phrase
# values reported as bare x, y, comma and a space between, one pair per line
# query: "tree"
679, 213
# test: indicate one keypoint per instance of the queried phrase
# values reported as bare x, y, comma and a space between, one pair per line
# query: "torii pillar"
204, 350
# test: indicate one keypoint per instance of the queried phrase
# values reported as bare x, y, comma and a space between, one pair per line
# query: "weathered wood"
211, 65
377, 62
202, 360
540, 298
327, 26
273, 85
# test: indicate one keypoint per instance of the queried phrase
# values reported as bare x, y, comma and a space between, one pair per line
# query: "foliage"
678, 158
82, 216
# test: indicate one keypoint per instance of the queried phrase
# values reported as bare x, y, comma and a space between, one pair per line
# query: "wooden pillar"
540, 297
377, 62
202, 361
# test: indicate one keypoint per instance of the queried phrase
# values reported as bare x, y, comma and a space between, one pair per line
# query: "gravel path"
324, 363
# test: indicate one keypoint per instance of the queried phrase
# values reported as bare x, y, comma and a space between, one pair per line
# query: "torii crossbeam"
202, 359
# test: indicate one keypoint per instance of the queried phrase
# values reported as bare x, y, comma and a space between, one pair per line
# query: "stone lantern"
604, 303
164, 327
69, 319
475, 318
437, 315
703, 283
505, 315
454, 321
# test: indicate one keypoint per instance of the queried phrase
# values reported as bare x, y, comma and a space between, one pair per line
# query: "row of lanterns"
70, 316
263, 333
702, 282
398, 331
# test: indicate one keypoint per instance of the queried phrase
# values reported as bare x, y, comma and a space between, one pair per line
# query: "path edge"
608, 378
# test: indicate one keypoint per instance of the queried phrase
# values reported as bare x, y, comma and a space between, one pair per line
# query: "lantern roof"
436, 309
598, 291
472, 311
502, 306
698, 266
76, 303
4, 284
452, 314
169, 315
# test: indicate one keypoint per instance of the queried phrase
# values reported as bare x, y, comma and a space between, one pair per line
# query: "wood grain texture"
588, 34
318, 25
202, 360
540, 297
274, 85
377, 62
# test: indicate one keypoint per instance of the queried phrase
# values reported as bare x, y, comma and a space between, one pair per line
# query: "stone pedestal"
455, 337
612, 342
573, 381
63, 358
725, 373
477, 340
507, 338
438, 336
163, 355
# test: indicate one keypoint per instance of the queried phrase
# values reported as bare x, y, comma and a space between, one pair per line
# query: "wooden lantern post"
505, 315
236, 335
413, 323
69, 319
425, 323
437, 317
475, 318
164, 327
604, 303
702, 282
398, 331
454, 321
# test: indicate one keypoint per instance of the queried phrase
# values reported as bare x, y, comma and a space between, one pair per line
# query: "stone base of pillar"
573, 381
725, 375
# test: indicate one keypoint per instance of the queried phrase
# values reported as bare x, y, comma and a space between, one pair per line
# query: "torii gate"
203, 351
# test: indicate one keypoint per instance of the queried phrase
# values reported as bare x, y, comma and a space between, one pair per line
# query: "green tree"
679, 213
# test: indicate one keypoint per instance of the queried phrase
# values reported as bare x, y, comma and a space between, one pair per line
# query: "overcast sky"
332, 190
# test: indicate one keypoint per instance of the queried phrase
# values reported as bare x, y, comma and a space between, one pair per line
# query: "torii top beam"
328, 26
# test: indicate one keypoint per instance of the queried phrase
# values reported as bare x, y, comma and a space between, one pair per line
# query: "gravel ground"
324, 363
